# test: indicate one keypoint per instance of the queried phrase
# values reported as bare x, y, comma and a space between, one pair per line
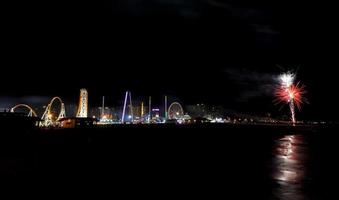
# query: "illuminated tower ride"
166, 113
128, 95
105, 118
83, 104
103, 108
142, 110
149, 109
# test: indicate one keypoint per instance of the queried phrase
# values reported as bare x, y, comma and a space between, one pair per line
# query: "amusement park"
134, 110
54, 114
160, 109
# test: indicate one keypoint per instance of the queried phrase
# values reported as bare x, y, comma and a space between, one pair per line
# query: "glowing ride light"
175, 111
83, 104
47, 117
31, 113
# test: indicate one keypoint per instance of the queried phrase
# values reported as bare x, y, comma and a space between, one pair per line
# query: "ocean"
211, 160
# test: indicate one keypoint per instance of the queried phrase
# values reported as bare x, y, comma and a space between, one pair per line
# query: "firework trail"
289, 93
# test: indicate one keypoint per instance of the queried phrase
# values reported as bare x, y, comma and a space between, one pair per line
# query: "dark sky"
196, 50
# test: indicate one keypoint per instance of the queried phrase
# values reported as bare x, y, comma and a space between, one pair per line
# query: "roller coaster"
31, 113
47, 118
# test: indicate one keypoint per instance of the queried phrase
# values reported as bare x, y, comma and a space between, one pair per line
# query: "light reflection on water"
289, 168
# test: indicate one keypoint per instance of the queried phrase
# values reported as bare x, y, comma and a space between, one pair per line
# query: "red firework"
294, 94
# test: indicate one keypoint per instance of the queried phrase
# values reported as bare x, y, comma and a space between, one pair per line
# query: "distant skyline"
247, 89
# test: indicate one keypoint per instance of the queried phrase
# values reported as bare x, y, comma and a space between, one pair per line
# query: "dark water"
214, 161
290, 168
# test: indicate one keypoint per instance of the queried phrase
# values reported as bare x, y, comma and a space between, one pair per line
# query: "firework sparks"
287, 80
290, 93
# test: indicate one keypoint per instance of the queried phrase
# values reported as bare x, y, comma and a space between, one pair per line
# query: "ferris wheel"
175, 111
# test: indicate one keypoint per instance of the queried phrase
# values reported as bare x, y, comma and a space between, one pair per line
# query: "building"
74, 122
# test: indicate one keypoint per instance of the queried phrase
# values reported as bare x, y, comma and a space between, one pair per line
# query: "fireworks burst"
289, 93
286, 80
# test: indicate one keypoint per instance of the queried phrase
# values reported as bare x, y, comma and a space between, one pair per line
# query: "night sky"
212, 51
